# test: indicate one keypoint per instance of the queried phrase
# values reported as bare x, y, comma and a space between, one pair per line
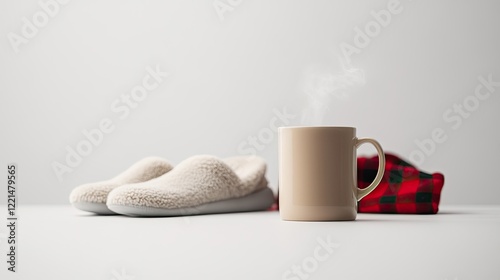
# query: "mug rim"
317, 126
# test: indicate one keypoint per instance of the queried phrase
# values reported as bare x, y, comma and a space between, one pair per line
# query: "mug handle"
381, 166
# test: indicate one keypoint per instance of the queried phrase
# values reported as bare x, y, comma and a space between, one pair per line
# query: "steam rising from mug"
321, 86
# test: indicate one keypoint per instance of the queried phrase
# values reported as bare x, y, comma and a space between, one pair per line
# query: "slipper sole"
258, 201
97, 208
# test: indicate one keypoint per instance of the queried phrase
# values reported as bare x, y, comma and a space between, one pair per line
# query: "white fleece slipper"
92, 197
198, 185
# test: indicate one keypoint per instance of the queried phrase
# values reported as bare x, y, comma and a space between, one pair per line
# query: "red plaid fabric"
403, 190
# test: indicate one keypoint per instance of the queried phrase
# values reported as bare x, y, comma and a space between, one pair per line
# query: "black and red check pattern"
404, 189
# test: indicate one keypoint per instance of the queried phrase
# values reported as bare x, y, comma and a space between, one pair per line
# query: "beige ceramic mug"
318, 173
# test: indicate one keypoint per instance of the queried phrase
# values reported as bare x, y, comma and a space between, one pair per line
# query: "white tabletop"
59, 242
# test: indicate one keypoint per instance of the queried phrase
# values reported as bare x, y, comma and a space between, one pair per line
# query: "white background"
228, 76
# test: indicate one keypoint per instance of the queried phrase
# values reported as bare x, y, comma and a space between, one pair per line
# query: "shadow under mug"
318, 173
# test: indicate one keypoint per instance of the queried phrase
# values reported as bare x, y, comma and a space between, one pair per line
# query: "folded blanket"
403, 190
